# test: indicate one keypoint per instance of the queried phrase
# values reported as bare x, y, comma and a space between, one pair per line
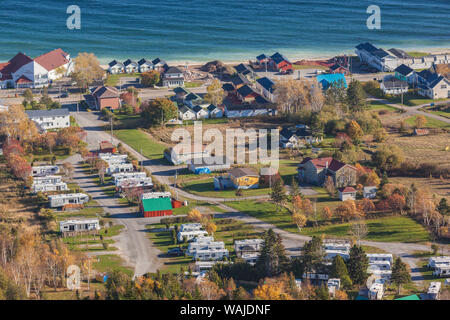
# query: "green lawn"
373, 105
388, 229
110, 262
207, 121
192, 84
301, 67
411, 99
139, 140
417, 54
431, 122
205, 188
287, 170
113, 79
443, 111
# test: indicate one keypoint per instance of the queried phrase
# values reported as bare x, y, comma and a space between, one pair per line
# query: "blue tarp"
331, 78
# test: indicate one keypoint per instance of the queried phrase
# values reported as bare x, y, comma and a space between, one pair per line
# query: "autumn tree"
354, 131
327, 213
293, 95
158, 111
215, 93
150, 78
420, 121
194, 215
300, 220
307, 207
86, 69
68, 170
210, 227
388, 156
365, 206
347, 210
297, 204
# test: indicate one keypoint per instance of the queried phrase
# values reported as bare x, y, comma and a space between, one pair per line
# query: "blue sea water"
200, 30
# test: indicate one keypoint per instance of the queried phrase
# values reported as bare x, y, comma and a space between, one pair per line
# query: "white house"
113, 158
23, 72
186, 113
394, 86
190, 235
214, 112
145, 65
200, 113
82, 225
380, 257
44, 170
144, 183
442, 270
60, 200
116, 67
50, 119
405, 73
131, 66
347, 193
433, 261
119, 167
333, 284
377, 58
193, 227
173, 77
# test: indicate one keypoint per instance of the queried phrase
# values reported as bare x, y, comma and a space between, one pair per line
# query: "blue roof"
331, 78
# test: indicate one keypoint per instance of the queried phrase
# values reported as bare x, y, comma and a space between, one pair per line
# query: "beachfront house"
347, 193
214, 112
314, 171
145, 65
160, 65
71, 199
246, 94
50, 119
106, 97
44, 170
173, 77
116, 67
280, 63
394, 86
266, 88
405, 73
23, 72
131, 66
377, 58
74, 226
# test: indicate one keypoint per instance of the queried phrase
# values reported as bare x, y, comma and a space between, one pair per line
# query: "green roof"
157, 204
411, 297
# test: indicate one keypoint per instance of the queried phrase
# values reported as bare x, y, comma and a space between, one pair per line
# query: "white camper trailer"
44, 170
85, 225
60, 200
48, 187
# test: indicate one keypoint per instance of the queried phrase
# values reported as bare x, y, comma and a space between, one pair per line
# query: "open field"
424, 149
140, 140
110, 262
205, 188
431, 122
437, 186
113, 79
388, 229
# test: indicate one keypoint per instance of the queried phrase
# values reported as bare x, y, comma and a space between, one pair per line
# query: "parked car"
175, 252
64, 95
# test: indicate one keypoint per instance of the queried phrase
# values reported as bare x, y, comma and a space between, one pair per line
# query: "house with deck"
280, 63
405, 73
377, 58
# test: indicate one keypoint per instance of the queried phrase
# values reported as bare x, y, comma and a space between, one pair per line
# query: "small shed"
347, 193
107, 147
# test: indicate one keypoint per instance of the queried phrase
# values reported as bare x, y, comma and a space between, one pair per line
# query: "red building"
156, 204
106, 98
107, 147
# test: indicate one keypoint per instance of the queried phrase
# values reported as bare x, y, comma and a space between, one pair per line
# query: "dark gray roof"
158, 60
228, 87
245, 91
143, 61
367, 47
180, 90
437, 81
240, 68
404, 70
394, 83
47, 113
399, 53
266, 83
174, 70
128, 62
278, 57
428, 76
115, 62
184, 109
261, 57
237, 81
211, 107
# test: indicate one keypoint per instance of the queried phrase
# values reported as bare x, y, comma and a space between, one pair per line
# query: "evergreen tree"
357, 265
356, 96
278, 194
273, 259
295, 189
339, 270
322, 293
384, 179
313, 255
400, 274
443, 207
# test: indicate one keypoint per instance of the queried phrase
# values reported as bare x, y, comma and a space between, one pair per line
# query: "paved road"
293, 242
415, 109
133, 243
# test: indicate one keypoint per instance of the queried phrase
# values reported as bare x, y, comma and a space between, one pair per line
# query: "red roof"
17, 62
347, 189
53, 59
5, 74
321, 163
23, 79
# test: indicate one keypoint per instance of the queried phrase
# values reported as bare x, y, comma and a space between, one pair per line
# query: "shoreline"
292, 57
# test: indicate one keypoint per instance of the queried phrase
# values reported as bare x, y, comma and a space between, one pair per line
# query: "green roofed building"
411, 297
156, 206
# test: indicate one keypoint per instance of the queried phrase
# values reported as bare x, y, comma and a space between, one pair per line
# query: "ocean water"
200, 30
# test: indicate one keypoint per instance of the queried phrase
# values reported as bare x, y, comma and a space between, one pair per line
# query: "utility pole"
112, 132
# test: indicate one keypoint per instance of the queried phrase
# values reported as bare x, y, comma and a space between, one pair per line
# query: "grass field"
205, 188
113, 79
417, 54
388, 229
139, 140
431, 122
110, 262
373, 105
191, 84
